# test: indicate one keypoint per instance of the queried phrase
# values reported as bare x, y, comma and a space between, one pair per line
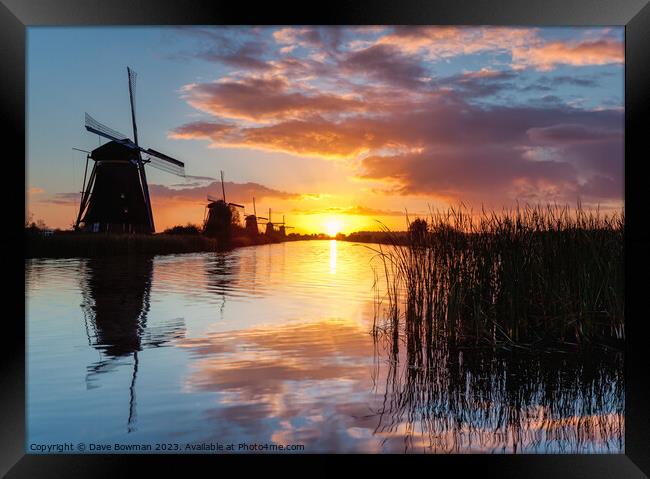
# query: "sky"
334, 128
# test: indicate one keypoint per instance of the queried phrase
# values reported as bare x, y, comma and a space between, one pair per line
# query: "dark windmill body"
116, 197
269, 226
251, 226
218, 219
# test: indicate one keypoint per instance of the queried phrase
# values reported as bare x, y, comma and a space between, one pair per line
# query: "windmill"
251, 221
283, 227
218, 218
269, 225
116, 198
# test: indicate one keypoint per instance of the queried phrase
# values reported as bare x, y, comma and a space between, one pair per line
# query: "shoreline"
74, 245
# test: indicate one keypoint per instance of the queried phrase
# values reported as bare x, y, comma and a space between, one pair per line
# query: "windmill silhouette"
116, 197
283, 227
251, 221
218, 218
270, 226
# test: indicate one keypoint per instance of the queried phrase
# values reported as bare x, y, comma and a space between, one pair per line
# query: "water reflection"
221, 270
276, 347
299, 383
333, 257
442, 399
115, 305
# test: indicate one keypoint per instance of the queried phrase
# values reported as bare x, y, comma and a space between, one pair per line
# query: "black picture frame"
17, 15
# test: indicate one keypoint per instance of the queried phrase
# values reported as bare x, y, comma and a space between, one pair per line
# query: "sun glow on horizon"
333, 226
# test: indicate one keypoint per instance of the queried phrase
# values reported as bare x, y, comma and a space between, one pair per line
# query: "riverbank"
71, 245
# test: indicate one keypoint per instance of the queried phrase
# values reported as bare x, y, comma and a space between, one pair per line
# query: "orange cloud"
592, 52
263, 99
35, 190
443, 42
309, 137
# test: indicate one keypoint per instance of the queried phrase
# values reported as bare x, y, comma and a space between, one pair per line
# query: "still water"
272, 345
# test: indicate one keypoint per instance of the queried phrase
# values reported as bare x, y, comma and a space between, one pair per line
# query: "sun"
333, 226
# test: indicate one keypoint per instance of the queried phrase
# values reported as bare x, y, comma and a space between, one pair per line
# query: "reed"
533, 276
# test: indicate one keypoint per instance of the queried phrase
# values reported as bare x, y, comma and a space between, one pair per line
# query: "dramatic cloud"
325, 39
481, 83
200, 130
498, 154
477, 174
310, 137
261, 99
526, 47
548, 56
247, 56
498, 131
445, 42
385, 63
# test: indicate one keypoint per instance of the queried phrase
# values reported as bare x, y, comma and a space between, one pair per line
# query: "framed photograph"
444, 265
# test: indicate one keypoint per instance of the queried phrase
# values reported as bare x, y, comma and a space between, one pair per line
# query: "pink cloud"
589, 52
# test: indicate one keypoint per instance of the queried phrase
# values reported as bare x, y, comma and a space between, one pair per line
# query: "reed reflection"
439, 398
116, 303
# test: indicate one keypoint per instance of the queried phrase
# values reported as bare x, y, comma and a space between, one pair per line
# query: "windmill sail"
166, 158
167, 166
94, 126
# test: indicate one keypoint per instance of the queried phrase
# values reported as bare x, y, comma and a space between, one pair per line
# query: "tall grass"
526, 277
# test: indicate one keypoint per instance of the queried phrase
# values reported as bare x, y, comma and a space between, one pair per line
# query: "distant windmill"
269, 225
283, 227
116, 198
251, 221
218, 218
